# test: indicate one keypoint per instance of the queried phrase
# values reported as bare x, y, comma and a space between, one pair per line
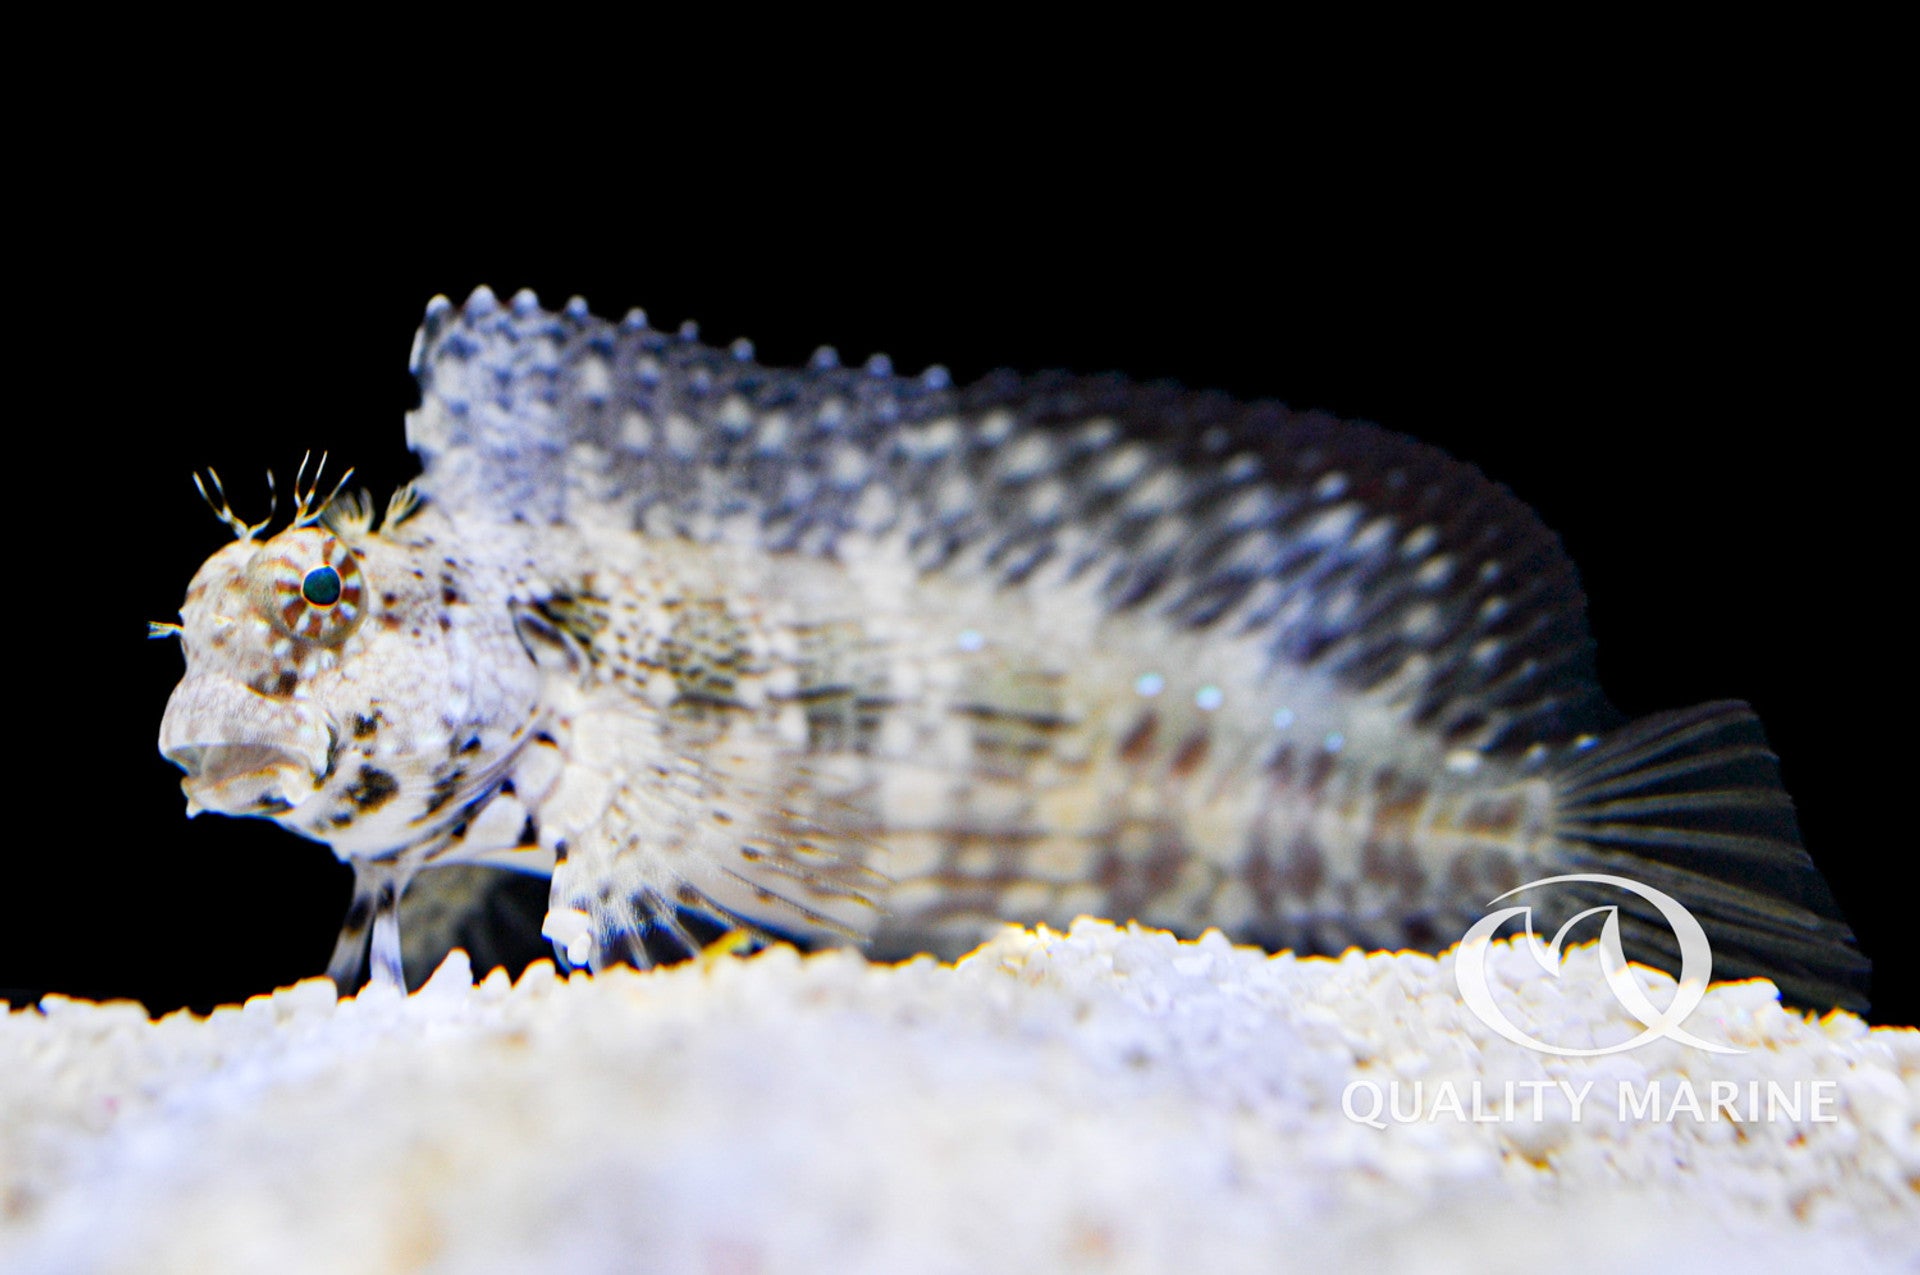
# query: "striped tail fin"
1690, 803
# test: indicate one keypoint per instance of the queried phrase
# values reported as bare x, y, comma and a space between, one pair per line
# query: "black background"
1666, 357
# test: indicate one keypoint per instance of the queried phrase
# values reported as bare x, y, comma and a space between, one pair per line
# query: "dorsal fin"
1349, 549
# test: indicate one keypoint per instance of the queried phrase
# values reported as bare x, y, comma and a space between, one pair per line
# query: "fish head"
259, 620
351, 687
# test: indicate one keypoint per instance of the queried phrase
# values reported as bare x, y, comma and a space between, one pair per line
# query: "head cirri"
321, 691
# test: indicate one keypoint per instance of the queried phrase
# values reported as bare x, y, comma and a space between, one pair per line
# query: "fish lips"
244, 753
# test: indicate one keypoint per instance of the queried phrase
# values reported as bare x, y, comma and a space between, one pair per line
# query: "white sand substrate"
1107, 1100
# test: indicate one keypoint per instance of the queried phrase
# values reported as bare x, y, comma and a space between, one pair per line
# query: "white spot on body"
877, 508
1046, 500
793, 725
1374, 536
595, 379
734, 415
682, 436
1209, 698
1082, 900
1096, 433
954, 497
1154, 494
636, 433
975, 861
1027, 899
1166, 534
1122, 467
1420, 541
1331, 526
850, 466
1233, 908
1341, 607
996, 426
1032, 455
1250, 506
1242, 466
1254, 552
1150, 684
1420, 620
931, 440
899, 735
774, 430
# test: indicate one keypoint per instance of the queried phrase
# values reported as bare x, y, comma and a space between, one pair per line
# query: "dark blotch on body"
1304, 871
372, 789
445, 788
1138, 742
280, 686
1262, 878
1192, 752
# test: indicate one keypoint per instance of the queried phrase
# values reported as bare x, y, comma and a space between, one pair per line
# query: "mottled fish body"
847, 656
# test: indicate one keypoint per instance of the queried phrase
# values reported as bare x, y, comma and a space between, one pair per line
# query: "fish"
689, 649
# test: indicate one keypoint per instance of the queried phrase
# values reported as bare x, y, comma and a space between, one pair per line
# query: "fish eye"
321, 586
310, 586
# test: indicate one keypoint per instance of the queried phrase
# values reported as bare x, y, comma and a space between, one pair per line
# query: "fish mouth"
244, 753
241, 779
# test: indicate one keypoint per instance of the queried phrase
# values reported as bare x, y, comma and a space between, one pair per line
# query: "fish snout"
243, 753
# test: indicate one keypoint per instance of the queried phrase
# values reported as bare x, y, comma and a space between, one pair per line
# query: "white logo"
1696, 965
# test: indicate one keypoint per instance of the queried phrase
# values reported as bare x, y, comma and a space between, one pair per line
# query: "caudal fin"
1690, 803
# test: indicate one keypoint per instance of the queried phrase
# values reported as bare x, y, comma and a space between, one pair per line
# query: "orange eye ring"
311, 587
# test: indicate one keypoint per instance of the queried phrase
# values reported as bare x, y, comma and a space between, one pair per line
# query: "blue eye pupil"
321, 587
